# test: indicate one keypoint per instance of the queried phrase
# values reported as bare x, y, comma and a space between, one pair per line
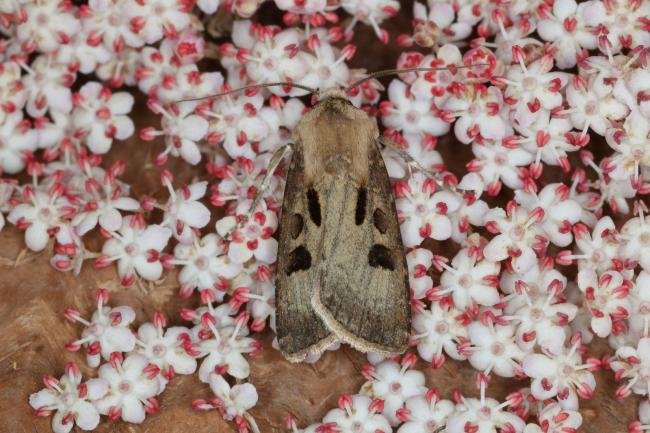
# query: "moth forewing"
340, 250
300, 331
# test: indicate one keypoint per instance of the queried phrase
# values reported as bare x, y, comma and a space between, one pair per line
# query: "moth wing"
362, 293
300, 331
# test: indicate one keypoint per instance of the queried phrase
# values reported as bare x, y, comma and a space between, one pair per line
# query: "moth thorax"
332, 92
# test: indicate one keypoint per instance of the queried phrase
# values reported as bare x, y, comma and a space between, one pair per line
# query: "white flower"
238, 122
606, 296
636, 245
639, 314
104, 207
426, 414
102, 116
133, 387
541, 317
48, 85
205, 265
555, 419
371, 12
438, 329
88, 58
443, 15
137, 250
470, 280
166, 348
394, 385
272, 58
494, 349
184, 211
38, 216
436, 83
224, 348
486, 415
478, 111
592, 106
562, 375
517, 236
282, 119
560, 211
598, 249
121, 68
633, 366
327, 65
534, 88
357, 414
240, 180
631, 145
519, 33
107, 331
109, 22
422, 210
498, 163
252, 239
234, 401
70, 399
160, 18
16, 138
12, 89
413, 117
47, 25
255, 286
181, 129
163, 77
568, 27
624, 24
548, 138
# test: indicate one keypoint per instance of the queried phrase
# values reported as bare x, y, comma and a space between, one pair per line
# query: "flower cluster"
137, 365
394, 398
546, 231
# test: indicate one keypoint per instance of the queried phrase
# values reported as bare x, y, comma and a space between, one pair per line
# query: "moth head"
332, 92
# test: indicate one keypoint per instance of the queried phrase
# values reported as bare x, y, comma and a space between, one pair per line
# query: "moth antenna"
253, 86
401, 71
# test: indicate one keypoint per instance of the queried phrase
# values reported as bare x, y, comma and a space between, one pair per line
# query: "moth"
341, 271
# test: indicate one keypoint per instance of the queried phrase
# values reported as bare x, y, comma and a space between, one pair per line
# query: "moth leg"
276, 160
412, 163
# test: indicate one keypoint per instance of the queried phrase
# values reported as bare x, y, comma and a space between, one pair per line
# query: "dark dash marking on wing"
380, 220
380, 257
299, 260
314, 206
360, 212
296, 224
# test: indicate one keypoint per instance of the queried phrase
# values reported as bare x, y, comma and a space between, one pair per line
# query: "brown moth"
341, 270
341, 273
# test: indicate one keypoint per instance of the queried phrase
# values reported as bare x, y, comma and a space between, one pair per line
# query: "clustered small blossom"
136, 366
546, 231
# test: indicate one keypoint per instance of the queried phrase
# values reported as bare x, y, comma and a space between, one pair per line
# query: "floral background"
135, 295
